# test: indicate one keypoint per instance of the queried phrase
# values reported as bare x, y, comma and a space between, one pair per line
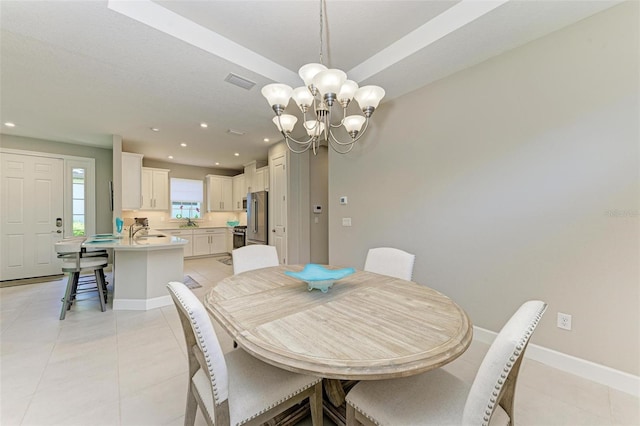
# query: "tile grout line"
55, 344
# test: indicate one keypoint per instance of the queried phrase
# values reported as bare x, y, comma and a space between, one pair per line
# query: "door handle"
273, 230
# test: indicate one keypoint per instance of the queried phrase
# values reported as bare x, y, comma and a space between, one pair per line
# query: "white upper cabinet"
261, 179
239, 191
219, 193
155, 189
131, 181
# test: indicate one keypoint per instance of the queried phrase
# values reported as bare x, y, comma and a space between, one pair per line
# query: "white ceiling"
81, 71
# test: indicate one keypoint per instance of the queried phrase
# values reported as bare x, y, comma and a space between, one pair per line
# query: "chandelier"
324, 91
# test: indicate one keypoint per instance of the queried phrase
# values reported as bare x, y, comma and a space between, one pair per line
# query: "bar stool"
70, 251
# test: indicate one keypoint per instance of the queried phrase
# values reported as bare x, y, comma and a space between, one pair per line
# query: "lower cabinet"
209, 241
185, 234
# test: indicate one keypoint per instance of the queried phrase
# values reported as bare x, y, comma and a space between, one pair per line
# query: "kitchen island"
142, 267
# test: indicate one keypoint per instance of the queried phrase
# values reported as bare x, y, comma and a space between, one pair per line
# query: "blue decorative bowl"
232, 223
317, 276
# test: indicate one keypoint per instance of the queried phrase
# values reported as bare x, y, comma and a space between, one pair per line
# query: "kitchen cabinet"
219, 193
131, 181
155, 189
239, 191
261, 179
209, 241
185, 234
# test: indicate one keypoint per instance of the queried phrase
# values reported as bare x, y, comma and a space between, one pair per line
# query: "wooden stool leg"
101, 287
104, 284
66, 301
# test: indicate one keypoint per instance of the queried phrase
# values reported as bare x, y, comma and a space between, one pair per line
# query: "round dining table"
366, 326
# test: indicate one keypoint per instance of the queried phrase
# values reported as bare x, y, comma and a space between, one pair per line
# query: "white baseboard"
598, 373
141, 304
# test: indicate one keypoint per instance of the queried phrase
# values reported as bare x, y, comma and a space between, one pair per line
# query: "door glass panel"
78, 201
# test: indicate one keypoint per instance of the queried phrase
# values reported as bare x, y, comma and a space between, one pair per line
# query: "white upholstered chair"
254, 256
73, 263
440, 398
390, 261
236, 388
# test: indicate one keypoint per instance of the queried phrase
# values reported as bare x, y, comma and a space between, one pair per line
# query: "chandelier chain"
321, 25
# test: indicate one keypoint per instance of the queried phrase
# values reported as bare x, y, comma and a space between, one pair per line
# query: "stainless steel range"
239, 236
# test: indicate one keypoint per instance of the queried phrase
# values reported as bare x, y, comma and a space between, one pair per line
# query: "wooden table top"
367, 326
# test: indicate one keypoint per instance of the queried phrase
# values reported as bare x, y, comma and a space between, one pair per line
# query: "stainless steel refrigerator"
257, 222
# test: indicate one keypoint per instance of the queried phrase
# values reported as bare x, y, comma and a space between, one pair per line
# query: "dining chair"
254, 256
73, 264
390, 261
235, 388
440, 398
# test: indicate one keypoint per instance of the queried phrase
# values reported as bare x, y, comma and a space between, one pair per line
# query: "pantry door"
31, 215
278, 204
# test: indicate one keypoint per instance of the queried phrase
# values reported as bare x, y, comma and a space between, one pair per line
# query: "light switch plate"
346, 221
343, 200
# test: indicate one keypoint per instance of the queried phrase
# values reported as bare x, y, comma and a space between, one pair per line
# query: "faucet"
191, 223
143, 223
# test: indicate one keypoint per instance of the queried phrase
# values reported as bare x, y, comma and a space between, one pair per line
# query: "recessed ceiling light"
183, 144
204, 125
266, 139
9, 124
155, 129
217, 164
237, 154
170, 157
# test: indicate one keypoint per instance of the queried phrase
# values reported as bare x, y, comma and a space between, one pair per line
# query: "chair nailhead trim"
196, 326
361, 411
507, 369
278, 402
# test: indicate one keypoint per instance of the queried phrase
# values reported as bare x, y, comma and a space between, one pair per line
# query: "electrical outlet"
564, 321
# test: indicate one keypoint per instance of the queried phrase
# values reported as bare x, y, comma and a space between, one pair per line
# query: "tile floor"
129, 367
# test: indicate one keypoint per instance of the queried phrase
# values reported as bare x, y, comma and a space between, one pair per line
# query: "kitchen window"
186, 198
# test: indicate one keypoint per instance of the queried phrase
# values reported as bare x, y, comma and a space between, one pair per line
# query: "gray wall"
515, 179
103, 161
318, 194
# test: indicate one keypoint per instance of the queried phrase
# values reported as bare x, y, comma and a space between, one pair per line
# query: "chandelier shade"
303, 98
347, 91
285, 122
329, 82
354, 123
307, 72
314, 128
369, 96
322, 116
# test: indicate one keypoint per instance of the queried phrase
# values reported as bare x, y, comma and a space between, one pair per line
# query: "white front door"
279, 202
32, 199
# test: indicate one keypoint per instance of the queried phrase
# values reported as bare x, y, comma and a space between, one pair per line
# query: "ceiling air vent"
235, 132
239, 81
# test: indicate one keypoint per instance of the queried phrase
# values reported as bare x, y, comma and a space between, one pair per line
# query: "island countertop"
152, 241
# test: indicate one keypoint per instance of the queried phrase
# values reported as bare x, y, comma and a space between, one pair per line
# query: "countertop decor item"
319, 277
233, 222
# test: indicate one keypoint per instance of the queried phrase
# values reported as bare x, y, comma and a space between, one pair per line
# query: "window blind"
187, 190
